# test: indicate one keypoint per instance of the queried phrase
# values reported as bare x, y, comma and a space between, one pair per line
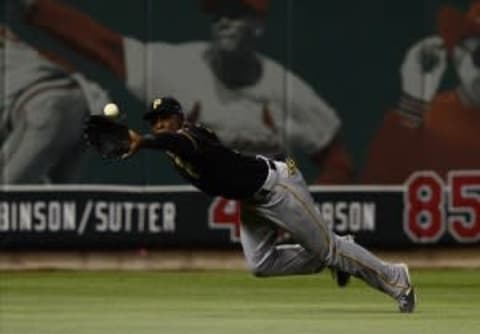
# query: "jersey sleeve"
312, 123
179, 143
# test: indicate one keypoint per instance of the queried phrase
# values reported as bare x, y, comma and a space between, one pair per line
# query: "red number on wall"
225, 214
424, 217
464, 206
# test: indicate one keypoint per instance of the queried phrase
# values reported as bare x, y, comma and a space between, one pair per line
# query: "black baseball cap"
163, 106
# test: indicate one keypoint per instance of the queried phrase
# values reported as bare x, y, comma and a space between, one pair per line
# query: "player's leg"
80, 32
393, 279
342, 278
356, 260
292, 208
264, 256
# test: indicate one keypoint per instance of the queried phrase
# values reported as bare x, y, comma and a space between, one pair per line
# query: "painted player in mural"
44, 104
273, 194
225, 83
432, 130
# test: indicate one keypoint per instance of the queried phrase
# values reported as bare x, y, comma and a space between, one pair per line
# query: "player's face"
467, 64
169, 123
235, 33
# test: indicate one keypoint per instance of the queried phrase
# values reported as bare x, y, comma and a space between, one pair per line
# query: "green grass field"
229, 302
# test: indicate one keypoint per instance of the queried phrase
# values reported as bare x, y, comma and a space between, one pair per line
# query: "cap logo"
156, 103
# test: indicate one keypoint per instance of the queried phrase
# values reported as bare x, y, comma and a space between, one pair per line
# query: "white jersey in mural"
279, 108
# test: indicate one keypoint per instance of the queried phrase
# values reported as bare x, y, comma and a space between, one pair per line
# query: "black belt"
271, 165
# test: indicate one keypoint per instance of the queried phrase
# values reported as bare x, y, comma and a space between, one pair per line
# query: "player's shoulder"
190, 57
195, 47
197, 127
270, 66
199, 131
273, 71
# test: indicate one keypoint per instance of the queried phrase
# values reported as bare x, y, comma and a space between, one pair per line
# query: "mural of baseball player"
431, 130
253, 103
44, 103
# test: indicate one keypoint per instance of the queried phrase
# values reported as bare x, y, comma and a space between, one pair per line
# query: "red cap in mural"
259, 7
454, 26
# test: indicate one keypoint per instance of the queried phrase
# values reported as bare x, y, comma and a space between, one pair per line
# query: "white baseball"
111, 110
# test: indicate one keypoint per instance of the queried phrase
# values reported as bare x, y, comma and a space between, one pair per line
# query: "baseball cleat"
407, 299
342, 277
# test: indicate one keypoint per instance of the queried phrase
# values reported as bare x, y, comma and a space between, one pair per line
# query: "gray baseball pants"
285, 202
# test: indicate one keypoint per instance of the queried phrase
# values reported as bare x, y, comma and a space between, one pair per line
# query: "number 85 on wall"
433, 208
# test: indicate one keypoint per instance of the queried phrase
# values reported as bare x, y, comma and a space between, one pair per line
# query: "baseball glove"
109, 138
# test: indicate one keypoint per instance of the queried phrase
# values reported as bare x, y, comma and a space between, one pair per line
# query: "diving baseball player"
437, 131
43, 106
225, 83
273, 194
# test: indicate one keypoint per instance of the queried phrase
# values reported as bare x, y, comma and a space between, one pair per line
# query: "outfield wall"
96, 217
377, 102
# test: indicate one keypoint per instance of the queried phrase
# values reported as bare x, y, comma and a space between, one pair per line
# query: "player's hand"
423, 68
135, 143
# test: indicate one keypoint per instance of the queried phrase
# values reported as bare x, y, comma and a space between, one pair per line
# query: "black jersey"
200, 157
